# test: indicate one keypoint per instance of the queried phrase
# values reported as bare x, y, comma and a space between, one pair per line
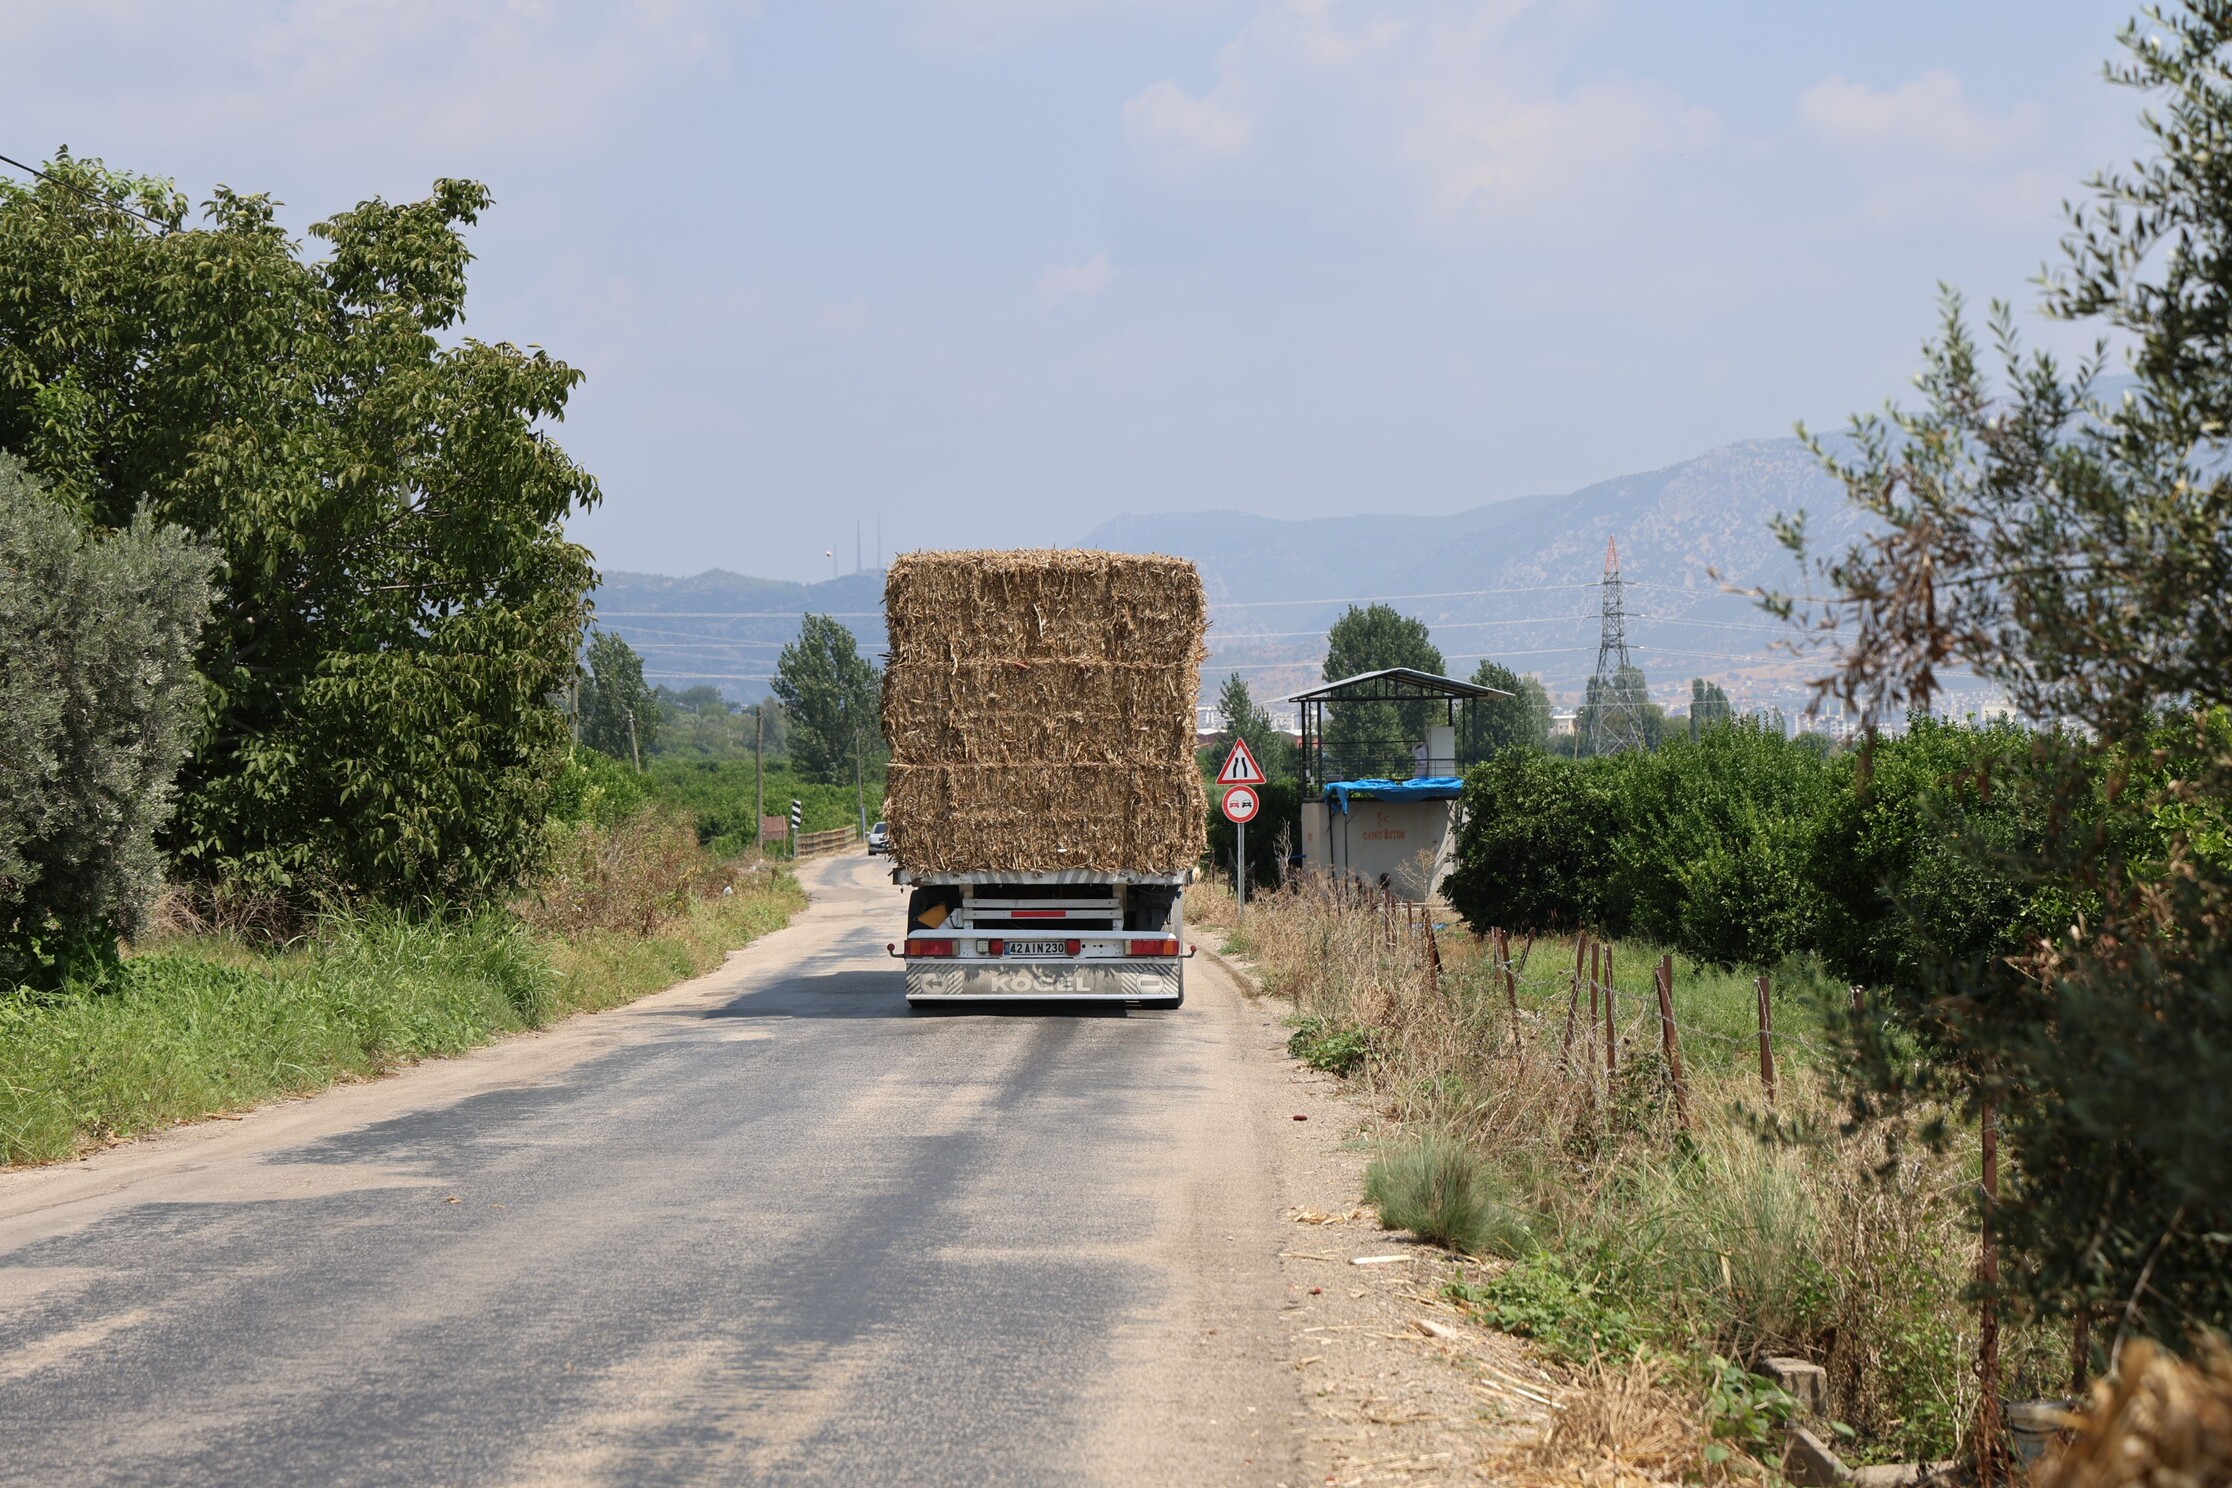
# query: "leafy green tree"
1708, 707
832, 696
1537, 850
1247, 719
99, 706
1374, 738
400, 608
1715, 845
1629, 691
1492, 724
2077, 551
619, 715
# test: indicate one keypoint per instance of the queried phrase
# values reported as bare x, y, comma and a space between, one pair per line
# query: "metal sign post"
1241, 803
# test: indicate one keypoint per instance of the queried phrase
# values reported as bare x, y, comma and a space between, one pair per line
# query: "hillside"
1518, 580
1515, 580
724, 629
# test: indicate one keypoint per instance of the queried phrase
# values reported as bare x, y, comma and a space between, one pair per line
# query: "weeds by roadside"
202, 1023
1757, 1231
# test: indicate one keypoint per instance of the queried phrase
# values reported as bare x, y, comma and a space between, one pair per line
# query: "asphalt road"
769, 1227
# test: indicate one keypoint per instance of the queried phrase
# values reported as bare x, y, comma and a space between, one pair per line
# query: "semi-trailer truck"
1044, 804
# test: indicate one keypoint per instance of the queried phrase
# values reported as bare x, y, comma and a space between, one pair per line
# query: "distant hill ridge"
1516, 580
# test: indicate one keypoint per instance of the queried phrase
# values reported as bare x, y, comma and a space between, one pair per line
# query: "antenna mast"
1616, 695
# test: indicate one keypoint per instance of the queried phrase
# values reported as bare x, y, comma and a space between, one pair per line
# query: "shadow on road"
882, 994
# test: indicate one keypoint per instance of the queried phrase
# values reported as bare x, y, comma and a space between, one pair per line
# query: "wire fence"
1600, 1017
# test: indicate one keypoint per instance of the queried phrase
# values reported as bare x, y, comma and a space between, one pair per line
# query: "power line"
1262, 604
743, 614
157, 223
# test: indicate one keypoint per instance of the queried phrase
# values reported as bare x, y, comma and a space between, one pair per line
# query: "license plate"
1037, 948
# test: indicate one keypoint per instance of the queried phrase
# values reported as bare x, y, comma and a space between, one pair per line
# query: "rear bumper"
1044, 981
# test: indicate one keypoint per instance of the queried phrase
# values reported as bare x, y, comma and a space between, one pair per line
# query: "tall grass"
1754, 1232
205, 1023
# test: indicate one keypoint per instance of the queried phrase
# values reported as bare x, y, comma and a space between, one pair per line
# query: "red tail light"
995, 947
1075, 947
929, 947
1151, 948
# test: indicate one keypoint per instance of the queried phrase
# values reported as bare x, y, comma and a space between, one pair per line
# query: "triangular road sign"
1240, 767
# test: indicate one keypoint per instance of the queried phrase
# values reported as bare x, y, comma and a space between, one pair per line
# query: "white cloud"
1452, 105
1931, 114
1181, 135
447, 78
1062, 283
990, 25
1924, 151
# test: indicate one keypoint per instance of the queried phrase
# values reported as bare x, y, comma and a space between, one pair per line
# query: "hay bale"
1039, 706
2162, 1422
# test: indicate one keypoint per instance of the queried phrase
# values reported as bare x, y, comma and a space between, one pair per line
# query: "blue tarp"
1429, 788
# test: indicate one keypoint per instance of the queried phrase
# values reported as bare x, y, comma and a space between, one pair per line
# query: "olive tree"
2076, 550
99, 705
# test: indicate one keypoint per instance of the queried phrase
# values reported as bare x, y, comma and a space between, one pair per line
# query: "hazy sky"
994, 269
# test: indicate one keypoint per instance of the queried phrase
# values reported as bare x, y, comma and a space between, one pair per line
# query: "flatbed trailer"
1071, 936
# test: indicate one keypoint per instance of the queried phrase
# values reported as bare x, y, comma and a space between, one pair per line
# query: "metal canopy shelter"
1392, 685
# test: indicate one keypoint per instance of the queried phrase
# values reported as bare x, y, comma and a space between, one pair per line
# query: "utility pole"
759, 776
860, 787
632, 748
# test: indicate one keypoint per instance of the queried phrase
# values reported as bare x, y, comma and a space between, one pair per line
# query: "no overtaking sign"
1241, 803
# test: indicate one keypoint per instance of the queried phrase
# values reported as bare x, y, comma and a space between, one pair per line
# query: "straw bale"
2162, 1422
1039, 708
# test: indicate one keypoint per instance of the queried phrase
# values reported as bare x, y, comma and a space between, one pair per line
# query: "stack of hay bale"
1040, 711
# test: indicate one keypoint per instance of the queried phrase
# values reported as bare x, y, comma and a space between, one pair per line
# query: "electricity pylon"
1616, 693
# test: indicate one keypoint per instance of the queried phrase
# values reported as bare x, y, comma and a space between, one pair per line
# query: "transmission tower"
1616, 691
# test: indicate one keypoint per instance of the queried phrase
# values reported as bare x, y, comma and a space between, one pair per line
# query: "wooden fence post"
1511, 993
1987, 1338
1573, 1004
1433, 958
1596, 981
1673, 1042
1611, 1027
1767, 1042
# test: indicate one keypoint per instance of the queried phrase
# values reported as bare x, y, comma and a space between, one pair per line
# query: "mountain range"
1519, 581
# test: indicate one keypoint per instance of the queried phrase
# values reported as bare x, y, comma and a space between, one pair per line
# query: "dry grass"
1039, 707
628, 878
1755, 1231
2163, 1423
1618, 1425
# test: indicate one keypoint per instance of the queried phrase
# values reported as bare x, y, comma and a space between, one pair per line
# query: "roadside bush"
1715, 845
1536, 855
1324, 1044
1541, 1297
98, 705
1442, 1191
718, 793
632, 875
